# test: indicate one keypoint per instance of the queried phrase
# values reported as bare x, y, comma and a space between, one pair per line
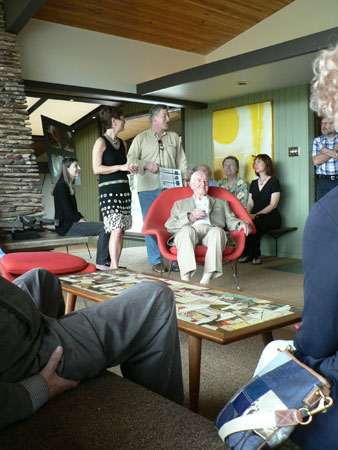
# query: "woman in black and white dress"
110, 163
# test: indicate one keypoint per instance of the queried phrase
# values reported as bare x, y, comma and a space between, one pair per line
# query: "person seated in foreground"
206, 169
201, 219
233, 183
316, 341
44, 353
71, 221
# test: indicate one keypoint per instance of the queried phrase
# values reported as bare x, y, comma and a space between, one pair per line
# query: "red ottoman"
15, 264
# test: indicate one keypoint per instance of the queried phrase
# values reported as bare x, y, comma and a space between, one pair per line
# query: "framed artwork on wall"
59, 145
244, 132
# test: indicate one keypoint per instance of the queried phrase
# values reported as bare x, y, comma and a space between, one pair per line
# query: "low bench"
47, 240
276, 234
133, 236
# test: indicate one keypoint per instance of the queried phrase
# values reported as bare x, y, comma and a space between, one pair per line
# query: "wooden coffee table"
203, 312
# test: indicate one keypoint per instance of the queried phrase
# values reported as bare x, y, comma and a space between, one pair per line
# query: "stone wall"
20, 187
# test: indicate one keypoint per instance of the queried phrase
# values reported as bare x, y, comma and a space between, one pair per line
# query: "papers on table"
214, 309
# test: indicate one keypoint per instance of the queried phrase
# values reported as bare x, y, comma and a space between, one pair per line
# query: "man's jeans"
146, 199
324, 185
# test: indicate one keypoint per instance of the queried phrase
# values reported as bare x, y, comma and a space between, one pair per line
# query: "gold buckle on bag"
325, 402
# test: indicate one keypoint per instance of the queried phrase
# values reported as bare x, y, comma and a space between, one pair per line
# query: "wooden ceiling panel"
197, 26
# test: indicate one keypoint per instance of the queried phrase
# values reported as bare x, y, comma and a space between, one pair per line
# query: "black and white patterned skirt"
115, 204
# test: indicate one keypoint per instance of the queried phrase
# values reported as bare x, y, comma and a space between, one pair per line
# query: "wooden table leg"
267, 337
195, 348
70, 302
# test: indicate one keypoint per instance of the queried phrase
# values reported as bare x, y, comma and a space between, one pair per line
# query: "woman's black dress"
114, 191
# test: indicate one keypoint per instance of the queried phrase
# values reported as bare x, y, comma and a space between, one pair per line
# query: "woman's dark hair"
234, 159
107, 114
268, 163
63, 176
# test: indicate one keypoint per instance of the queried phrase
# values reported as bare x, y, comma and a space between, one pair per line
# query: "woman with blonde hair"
316, 341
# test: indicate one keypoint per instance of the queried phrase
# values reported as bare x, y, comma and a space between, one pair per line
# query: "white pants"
212, 237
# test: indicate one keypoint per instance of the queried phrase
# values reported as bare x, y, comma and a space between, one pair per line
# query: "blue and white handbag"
284, 394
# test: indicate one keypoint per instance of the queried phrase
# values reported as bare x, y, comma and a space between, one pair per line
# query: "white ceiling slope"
67, 55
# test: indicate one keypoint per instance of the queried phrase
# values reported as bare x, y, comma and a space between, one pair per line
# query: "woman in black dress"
262, 206
110, 163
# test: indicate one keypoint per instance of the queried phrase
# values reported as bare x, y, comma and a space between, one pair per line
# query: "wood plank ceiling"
197, 26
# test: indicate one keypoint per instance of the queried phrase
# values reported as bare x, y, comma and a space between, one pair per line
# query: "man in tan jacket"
201, 219
154, 148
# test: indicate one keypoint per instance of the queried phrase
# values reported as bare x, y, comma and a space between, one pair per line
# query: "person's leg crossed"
137, 330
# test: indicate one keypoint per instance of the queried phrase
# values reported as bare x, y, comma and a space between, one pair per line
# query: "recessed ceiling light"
94, 117
242, 83
71, 99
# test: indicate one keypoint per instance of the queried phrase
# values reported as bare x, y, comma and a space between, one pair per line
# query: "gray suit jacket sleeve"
15, 403
20, 400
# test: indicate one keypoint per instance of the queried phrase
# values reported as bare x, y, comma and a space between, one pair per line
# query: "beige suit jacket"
220, 215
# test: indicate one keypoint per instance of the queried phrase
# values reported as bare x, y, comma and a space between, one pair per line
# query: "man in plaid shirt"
325, 158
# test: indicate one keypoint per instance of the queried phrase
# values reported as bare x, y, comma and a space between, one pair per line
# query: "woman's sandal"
256, 261
243, 259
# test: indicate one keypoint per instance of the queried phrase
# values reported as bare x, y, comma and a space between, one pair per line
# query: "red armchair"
160, 212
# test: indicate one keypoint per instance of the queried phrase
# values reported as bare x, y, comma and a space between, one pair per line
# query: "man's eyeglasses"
160, 144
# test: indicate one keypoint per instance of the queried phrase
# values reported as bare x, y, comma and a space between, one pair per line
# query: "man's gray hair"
155, 110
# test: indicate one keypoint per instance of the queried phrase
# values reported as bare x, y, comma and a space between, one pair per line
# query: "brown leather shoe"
159, 268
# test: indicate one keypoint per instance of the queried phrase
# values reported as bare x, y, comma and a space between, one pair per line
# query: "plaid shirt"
331, 166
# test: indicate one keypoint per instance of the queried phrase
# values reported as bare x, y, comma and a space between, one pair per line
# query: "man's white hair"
194, 175
324, 89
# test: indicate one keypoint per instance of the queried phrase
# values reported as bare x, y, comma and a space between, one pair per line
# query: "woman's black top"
262, 199
65, 208
113, 157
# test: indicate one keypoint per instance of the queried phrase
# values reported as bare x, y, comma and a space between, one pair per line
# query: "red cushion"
57, 263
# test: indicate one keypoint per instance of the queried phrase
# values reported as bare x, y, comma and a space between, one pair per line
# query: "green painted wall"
87, 193
293, 126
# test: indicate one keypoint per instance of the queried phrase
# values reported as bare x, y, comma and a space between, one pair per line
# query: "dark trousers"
325, 184
93, 229
136, 329
263, 223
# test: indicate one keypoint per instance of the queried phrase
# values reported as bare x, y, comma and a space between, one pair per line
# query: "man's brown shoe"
159, 268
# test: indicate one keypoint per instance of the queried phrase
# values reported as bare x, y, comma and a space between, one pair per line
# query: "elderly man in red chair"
201, 219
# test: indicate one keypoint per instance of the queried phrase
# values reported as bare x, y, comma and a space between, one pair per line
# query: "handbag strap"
283, 418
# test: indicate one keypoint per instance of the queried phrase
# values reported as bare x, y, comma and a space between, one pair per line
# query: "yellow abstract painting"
243, 132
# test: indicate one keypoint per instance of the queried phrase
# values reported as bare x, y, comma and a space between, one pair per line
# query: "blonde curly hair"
324, 89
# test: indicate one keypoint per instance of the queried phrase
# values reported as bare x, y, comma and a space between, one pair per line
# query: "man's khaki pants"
212, 237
